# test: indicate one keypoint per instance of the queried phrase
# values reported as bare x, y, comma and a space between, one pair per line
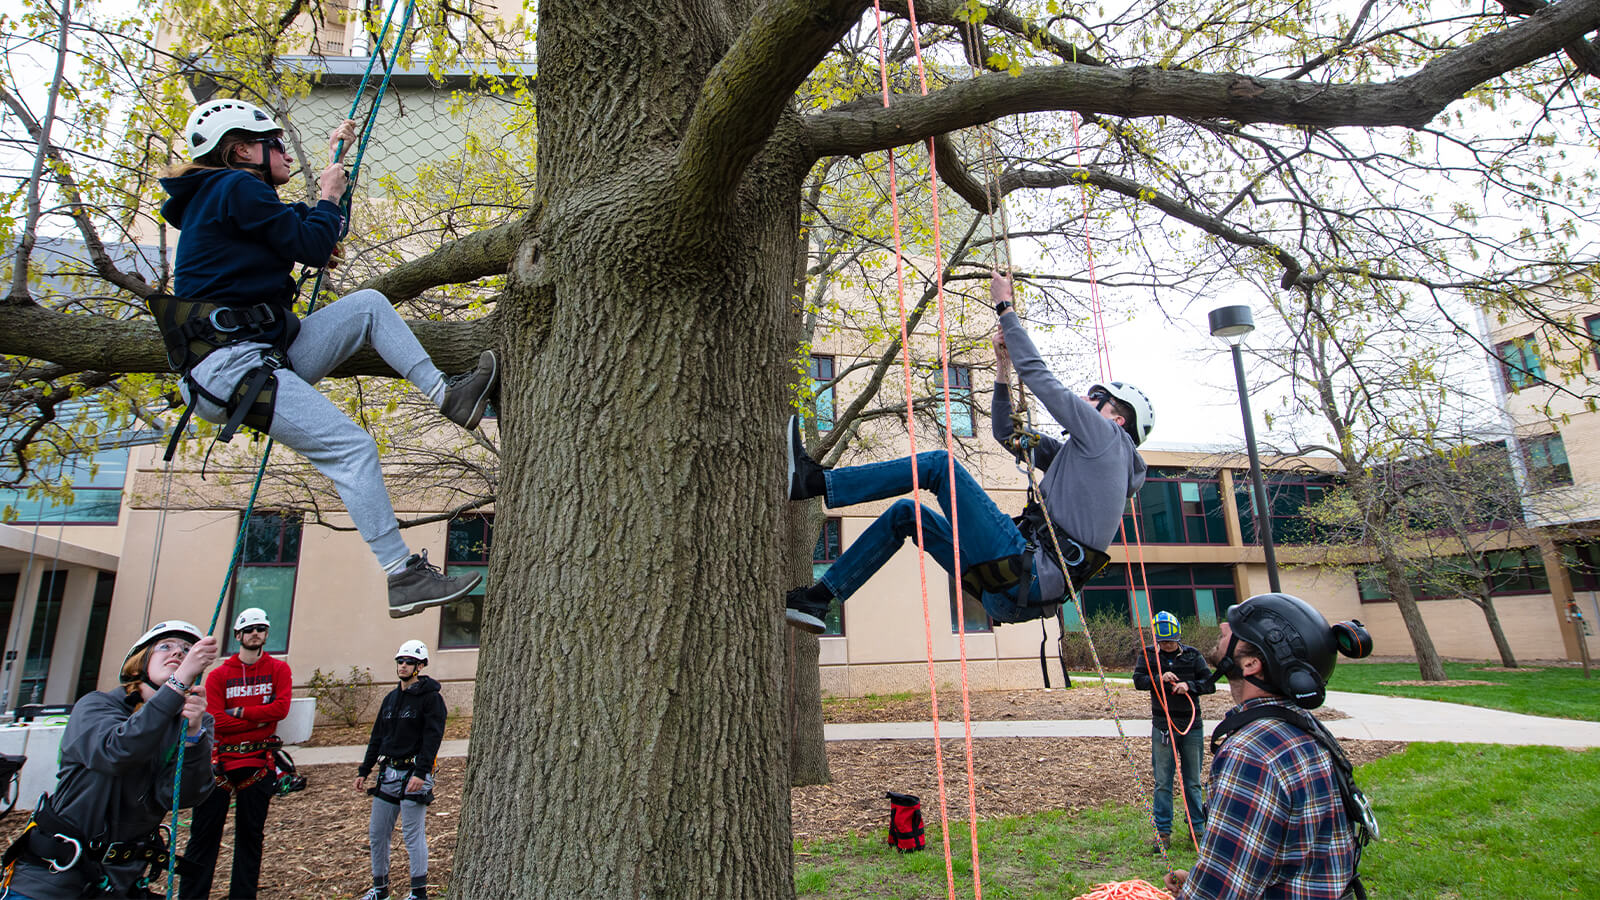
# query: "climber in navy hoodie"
237, 247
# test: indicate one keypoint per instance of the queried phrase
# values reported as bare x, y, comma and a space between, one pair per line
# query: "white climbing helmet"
215, 118
159, 630
1144, 415
412, 650
251, 616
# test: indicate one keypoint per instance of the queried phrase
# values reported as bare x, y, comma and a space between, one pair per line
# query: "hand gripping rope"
368, 121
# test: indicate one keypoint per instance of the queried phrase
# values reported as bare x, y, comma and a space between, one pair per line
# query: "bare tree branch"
1144, 91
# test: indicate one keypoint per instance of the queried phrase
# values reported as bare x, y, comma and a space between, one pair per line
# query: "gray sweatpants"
412, 828
307, 422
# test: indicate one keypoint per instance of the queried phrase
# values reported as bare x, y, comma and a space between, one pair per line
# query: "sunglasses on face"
253, 629
407, 661
274, 143
178, 647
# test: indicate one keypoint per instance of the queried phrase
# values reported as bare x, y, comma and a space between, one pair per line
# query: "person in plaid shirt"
1276, 825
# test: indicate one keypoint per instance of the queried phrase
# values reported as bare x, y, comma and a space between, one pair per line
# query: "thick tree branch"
77, 343
1146, 91
751, 86
477, 255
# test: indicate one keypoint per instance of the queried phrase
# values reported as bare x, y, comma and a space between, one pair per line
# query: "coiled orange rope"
1125, 890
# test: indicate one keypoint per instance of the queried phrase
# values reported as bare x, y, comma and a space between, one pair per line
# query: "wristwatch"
1001, 307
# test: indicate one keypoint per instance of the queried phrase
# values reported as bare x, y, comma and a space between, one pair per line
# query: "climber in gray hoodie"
1019, 569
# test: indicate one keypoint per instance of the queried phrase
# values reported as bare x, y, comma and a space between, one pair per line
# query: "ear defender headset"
1297, 646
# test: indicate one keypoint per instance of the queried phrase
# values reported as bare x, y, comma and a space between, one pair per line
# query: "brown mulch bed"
455, 727
1457, 682
317, 839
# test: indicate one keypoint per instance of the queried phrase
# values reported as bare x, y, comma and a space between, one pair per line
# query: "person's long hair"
219, 157
133, 672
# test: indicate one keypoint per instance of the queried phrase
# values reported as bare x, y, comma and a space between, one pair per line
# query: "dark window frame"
815, 370
476, 557
1560, 474
1519, 374
230, 642
827, 550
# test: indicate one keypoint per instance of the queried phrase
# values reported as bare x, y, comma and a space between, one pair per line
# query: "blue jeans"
1189, 747
986, 532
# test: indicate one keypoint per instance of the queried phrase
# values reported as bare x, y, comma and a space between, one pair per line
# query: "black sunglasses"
253, 629
274, 143
407, 661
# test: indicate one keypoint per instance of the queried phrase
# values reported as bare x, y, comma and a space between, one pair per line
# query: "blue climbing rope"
368, 122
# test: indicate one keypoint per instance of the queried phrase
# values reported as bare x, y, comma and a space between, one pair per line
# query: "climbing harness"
193, 329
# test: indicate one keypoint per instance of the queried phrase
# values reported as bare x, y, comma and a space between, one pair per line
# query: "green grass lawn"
1562, 692
1460, 822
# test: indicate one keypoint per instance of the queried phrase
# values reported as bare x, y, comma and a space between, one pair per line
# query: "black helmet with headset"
1297, 646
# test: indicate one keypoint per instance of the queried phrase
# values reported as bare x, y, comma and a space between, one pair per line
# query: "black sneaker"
420, 585
804, 614
467, 395
801, 466
1161, 844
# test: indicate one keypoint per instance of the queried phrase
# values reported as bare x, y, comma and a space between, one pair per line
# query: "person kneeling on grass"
1011, 566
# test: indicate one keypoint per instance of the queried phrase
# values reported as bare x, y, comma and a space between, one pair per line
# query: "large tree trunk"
630, 738
1421, 643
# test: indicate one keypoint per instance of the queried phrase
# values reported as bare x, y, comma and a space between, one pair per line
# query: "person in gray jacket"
1010, 565
98, 833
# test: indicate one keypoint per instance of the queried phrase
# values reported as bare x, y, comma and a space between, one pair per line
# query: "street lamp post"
1232, 323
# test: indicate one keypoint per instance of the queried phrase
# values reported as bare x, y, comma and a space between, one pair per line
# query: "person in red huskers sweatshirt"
248, 694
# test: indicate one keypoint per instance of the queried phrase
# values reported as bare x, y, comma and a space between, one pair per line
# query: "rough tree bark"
629, 739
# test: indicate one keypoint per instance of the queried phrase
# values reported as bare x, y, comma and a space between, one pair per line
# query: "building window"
1519, 363
94, 641
467, 546
96, 497
973, 615
1547, 461
1196, 592
1519, 570
1592, 325
822, 372
830, 543
266, 576
960, 400
42, 637
1177, 506
1287, 495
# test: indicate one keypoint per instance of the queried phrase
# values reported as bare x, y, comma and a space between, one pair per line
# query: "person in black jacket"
1174, 716
405, 741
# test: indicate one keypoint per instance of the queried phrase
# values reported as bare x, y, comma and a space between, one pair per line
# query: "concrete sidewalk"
1372, 718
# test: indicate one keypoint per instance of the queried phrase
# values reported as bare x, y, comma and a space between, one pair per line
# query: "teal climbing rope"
369, 120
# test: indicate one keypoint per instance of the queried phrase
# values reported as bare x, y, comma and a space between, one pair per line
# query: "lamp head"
1231, 323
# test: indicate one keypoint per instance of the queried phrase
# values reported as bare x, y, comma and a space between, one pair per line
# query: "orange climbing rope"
922, 574
1125, 890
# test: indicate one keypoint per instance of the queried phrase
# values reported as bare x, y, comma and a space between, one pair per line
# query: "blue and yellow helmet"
1166, 626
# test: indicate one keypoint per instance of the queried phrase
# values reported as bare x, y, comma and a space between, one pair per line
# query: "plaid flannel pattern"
1275, 827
